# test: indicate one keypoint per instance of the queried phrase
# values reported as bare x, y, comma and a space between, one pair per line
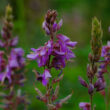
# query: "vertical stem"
91, 97
48, 66
107, 94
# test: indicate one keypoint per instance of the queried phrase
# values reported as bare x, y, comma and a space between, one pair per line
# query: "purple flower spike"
85, 106
46, 75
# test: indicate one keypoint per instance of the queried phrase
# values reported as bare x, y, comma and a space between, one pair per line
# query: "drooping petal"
14, 41
62, 37
71, 44
69, 54
8, 73
59, 24
45, 28
46, 75
32, 56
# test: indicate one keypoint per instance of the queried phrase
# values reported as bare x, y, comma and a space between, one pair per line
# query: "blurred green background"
77, 16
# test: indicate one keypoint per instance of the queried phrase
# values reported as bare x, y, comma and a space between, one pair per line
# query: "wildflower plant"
96, 83
12, 65
53, 55
104, 70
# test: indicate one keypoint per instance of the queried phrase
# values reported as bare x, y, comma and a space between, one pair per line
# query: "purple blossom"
6, 74
41, 54
58, 62
105, 49
65, 46
16, 59
56, 26
14, 41
90, 88
85, 106
45, 77
100, 84
46, 28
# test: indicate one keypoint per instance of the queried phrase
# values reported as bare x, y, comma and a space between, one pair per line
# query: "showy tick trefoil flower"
85, 106
54, 54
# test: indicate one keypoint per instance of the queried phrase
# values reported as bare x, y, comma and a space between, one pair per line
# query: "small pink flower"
85, 106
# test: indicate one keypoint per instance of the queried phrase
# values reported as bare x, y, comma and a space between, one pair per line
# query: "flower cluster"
11, 61
103, 69
53, 54
14, 56
106, 60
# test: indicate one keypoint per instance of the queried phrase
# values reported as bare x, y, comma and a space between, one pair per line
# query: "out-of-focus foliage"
77, 16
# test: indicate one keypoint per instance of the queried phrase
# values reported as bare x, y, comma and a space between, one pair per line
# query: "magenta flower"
16, 59
45, 77
42, 54
85, 106
106, 49
66, 45
14, 41
58, 62
6, 75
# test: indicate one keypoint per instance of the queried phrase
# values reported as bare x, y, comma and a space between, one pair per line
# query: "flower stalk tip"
96, 40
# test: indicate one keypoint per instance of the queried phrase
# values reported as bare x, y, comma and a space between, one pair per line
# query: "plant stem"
91, 98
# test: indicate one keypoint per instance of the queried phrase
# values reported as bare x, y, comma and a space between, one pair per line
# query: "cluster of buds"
103, 69
49, 24
12, 62
92, 67
53, 54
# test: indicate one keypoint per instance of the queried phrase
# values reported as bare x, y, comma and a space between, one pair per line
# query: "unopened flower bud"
90, 88
83, 82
